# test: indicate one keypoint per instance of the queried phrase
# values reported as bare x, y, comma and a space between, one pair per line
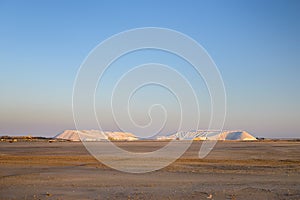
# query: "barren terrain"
233, 170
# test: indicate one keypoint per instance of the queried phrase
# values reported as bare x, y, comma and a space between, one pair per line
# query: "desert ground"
233, 170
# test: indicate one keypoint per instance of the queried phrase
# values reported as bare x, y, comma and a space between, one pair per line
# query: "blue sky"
255, 44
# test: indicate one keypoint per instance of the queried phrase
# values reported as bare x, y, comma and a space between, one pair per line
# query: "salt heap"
95, 135
209, 135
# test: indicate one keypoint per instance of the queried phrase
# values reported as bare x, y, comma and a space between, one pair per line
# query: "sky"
254, 44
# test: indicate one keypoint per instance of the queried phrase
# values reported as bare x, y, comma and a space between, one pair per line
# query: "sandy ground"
233, 170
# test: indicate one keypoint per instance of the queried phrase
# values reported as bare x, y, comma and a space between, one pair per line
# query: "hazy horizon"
254, 44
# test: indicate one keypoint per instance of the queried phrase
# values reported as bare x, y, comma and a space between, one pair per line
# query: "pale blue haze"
255, 44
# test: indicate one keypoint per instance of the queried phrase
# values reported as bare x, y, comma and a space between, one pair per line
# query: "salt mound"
236, 135
209, 135
95, 135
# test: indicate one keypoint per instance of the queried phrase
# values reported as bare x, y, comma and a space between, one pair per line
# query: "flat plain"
233, 170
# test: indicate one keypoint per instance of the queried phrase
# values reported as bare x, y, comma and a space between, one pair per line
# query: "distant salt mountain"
236, 135
209, 135
95, 135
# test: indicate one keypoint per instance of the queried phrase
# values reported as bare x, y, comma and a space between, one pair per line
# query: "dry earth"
233, 170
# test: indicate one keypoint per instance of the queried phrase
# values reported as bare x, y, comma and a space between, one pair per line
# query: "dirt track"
233, 170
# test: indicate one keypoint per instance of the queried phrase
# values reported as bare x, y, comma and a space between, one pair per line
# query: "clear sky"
255, 44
